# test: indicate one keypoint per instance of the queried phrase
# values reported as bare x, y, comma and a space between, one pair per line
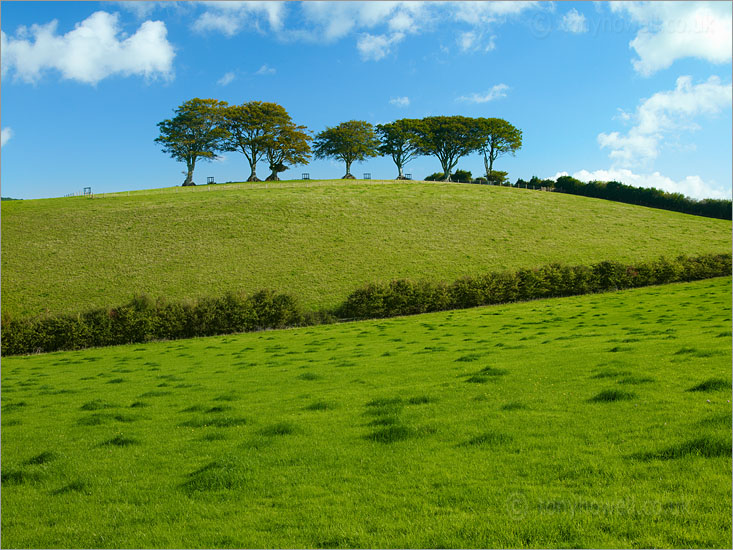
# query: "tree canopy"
399, 140
448, 138
350, 141
497, 137
251, 128
195, 132
289, 143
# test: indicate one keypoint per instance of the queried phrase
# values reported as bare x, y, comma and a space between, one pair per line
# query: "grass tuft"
489, 439
713, 384
96, 405
320, 406
607, 396
707, 446
391, 434
73, 487
121, 441
43, 458
280, 428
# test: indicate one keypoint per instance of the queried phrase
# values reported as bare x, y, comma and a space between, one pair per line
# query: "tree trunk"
273, 177
487, 166
189, 176
400, 175
253, 175
446, 171
348, 175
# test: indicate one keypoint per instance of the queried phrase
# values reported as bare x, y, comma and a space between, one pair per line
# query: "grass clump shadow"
215, 422
706, 446
513, 406
488, 439
225, 473
421, 400
120, 441
608, 396
18, 476
96, 405
73, 487
280, 428
320, 406
43, 458
712, 384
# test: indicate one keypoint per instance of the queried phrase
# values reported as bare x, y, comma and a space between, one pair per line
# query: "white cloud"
226, 79
375, 47
265, 70
665, 113
7, 133
691, 186
574, 22
480, 12
496, 92
94, 50
471, 41
231, 17
676, 30
400, 101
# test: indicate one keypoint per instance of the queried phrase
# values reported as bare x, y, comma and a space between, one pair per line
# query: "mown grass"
316, 241
387, 449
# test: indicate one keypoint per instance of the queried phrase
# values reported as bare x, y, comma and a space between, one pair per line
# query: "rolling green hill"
317, 241
599, 421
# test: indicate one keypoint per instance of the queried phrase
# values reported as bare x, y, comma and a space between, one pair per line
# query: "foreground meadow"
592, 421
316, 241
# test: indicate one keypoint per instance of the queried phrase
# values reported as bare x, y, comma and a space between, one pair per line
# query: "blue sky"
637, 92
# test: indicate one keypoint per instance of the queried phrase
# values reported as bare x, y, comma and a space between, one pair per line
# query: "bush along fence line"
145, 320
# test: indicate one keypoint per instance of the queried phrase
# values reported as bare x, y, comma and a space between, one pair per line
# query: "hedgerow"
144, 319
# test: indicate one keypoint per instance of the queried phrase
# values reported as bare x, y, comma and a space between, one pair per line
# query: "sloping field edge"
144, 319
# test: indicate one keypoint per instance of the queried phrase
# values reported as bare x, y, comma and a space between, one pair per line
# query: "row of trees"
203, 127
259, 130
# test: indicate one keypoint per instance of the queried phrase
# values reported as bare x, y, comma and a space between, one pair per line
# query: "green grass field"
593, 421
317, 241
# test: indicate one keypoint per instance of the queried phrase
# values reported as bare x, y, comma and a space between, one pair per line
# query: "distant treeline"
145, 320
643, 196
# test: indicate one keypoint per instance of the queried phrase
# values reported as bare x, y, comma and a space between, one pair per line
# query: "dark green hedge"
644, 196
143, 319
404, 297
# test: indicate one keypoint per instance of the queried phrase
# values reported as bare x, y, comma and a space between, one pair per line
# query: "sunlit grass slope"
593, 421
316, 241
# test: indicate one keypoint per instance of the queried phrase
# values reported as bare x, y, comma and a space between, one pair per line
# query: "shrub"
462, 176
497, 177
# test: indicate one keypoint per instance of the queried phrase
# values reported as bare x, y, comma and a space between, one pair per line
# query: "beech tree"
448, 138
399, 141
497, 138
195, 132
349, 141
288, 143
250, 128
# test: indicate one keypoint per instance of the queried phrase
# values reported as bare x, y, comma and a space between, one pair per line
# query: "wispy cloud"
226, 79
496, 92
400, 101
574, 21
265, 70
7, 133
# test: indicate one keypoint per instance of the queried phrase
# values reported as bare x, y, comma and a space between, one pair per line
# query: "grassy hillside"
317, 241
596, 421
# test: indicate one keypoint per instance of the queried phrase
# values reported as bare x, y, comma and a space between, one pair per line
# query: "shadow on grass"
707, 446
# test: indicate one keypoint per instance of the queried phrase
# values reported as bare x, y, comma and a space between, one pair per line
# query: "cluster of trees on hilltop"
204, 127
261, 130
643, 196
